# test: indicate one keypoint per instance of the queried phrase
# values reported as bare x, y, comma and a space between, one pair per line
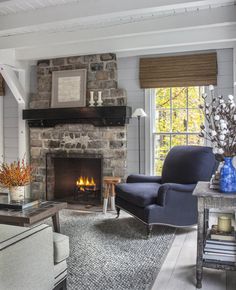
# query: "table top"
112, 179
32, 214
203, 190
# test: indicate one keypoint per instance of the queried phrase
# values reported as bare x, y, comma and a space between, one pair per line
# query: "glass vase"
228, 176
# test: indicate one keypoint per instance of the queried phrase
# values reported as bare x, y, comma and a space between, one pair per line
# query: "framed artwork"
69, 88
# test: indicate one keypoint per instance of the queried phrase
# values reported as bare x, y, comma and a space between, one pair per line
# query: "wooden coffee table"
33, 215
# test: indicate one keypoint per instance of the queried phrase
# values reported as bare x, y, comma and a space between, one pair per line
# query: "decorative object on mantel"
99, 101
221, 130
138, 113
15, 176
91, 101
69, 88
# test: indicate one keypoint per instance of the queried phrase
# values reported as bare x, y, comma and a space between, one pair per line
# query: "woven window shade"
178, 71
2, 87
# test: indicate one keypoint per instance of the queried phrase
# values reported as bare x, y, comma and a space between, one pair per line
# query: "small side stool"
109, 190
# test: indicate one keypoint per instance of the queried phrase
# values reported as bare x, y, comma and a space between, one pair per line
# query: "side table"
109, 189
210, 199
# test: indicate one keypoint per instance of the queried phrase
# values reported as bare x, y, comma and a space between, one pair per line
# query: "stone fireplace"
69, 145
74, 177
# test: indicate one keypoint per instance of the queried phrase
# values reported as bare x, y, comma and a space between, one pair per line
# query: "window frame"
150, 132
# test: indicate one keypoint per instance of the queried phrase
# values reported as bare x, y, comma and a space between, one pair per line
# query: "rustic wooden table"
33, 215
109, 189
209, 199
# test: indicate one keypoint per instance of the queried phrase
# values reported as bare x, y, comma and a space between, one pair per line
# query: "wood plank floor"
178, 270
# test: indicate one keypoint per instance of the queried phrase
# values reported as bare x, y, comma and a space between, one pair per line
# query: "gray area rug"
113, 254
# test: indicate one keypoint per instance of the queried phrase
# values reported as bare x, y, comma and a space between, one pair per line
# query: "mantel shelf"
98, 116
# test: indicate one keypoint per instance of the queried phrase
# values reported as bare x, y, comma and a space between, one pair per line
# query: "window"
177, 121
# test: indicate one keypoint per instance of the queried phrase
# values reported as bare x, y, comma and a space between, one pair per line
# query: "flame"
85, 181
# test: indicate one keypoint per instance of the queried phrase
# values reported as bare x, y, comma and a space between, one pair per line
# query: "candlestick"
91, 102
99, 101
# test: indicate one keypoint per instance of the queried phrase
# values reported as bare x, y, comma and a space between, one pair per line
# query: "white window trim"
150, 130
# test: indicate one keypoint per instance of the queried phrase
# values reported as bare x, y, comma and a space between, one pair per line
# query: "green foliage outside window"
177, 122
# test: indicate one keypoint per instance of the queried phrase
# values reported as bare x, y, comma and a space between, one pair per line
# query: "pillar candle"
224, 224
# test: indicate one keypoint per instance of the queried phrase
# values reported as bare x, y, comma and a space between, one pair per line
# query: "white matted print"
69, 88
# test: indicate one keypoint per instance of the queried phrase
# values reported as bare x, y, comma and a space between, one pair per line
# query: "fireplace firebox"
75, 178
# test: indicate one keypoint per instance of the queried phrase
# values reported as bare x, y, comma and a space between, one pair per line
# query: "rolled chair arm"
167, 190
135, 178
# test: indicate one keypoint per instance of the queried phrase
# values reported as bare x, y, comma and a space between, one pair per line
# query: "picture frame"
69, 88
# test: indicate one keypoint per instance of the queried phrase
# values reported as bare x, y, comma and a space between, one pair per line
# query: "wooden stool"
109, 190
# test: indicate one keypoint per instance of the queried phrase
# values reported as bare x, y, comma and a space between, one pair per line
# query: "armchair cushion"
139, 194
188, 164
171, 190
143, 178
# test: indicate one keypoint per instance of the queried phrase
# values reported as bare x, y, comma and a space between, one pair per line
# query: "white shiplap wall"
10, 118
225, 82
128, 69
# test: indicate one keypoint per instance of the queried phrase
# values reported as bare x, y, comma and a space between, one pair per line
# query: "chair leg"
118, 212
149, 231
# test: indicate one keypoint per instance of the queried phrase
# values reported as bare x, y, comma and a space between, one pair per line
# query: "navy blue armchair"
168, 199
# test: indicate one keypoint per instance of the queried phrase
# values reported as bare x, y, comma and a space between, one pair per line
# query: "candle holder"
91, 101
99, 101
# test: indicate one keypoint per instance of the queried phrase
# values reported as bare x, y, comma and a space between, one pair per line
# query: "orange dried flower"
17, 173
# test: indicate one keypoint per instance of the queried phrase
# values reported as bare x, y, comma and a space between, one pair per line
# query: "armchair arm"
167, 190
143, 178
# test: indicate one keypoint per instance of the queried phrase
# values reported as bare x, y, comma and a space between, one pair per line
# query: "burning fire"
85, 181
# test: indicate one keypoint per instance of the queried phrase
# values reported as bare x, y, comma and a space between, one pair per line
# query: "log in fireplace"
75, 178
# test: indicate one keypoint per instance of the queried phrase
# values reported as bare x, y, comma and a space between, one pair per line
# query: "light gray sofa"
32, 258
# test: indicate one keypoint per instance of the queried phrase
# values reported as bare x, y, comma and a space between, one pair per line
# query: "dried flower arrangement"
220, 130
15, 174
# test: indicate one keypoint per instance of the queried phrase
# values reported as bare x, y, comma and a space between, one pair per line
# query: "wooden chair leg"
105, 200
113, 207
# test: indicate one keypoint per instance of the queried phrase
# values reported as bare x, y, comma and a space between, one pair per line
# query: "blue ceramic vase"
228, 176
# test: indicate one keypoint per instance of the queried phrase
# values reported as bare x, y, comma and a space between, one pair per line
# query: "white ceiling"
16, 6
46, 28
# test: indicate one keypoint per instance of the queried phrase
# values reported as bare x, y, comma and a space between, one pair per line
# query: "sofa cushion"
61, 247
139, 194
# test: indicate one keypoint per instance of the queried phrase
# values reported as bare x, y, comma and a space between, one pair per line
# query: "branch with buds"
220, 116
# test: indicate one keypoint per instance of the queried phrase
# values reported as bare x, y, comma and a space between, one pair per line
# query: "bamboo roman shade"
178, 71
2, 88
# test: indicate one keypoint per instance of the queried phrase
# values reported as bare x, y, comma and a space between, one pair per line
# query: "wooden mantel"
98, 116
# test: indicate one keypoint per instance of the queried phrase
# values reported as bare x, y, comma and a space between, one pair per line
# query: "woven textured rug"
113, 254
